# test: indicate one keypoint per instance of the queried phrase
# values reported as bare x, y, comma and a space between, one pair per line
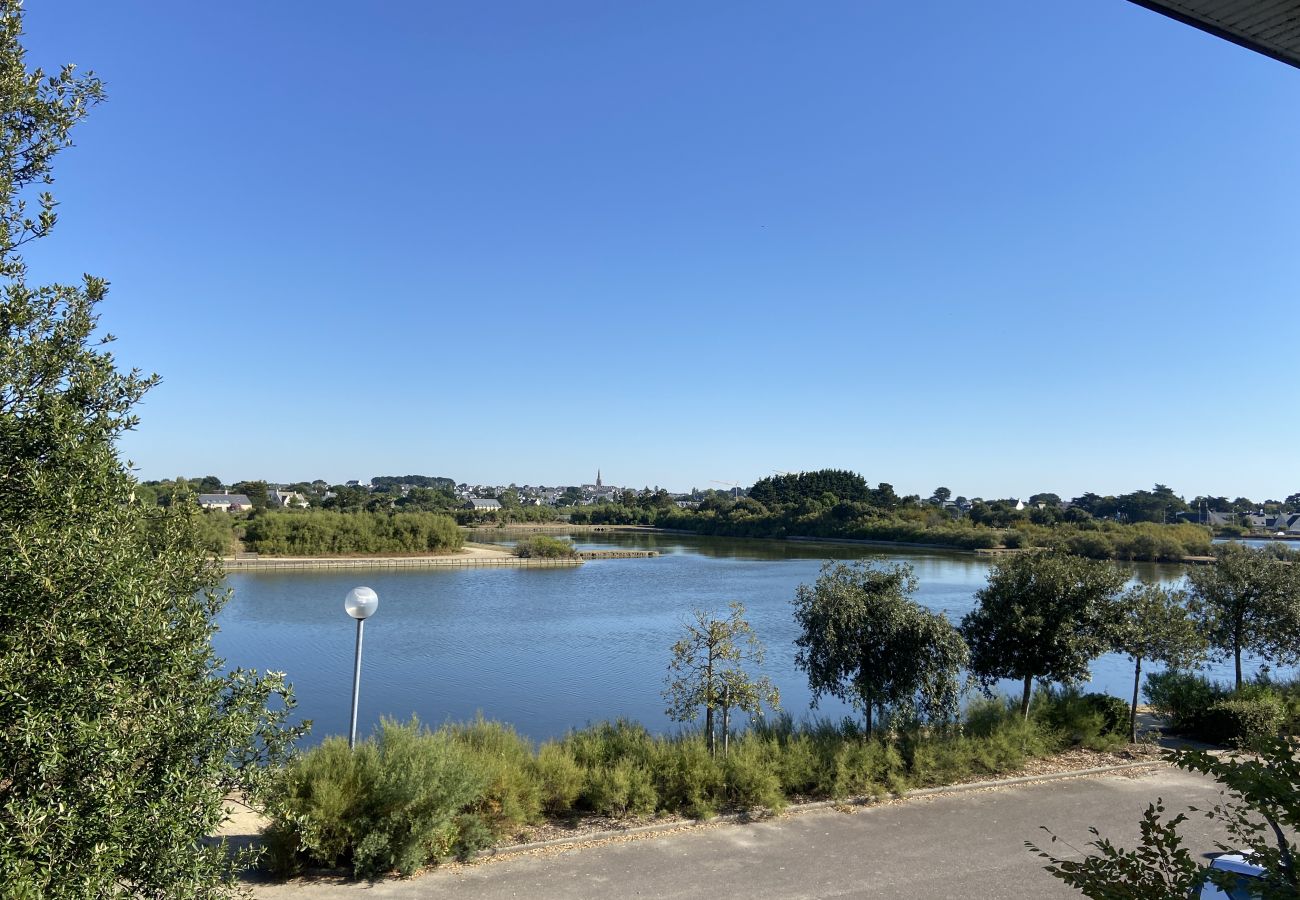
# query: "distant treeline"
436, 482
835, 504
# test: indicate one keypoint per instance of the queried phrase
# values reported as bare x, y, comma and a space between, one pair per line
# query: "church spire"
598, 478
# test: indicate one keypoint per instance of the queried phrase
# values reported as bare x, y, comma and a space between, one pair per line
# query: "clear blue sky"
1005, 247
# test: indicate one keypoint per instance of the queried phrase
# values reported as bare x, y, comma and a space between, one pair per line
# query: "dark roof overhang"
1270, 27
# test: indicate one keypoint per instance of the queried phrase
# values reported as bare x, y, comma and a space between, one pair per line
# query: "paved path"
956, 845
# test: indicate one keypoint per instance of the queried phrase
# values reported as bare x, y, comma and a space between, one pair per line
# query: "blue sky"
1005, 247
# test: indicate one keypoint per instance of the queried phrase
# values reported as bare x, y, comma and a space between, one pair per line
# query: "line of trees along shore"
834, 504
829, 504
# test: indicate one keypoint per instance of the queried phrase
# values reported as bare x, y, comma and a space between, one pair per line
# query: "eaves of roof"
1270, 27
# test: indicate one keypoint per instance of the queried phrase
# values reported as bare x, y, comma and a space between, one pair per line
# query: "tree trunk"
726, 722
708, 703
1133, 710
1024, 699
869, 708
1236, 652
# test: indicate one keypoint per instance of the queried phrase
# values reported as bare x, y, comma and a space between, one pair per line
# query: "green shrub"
608, 742
689, 779
1114, 712
1287, 693
1091, 544
1095, 721
545, 547
1181, 698
512, 795
799, 761
1000, 739
753, 776
624, 788
561, 778
409, 797
393, 803
1240, 721
864, 766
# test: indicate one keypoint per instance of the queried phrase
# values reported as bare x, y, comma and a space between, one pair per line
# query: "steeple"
598, 478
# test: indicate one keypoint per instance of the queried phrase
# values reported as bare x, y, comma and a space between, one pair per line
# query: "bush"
1287, 693
545, 547
1114, 712
512, 792
1181, 697
325, 533
409, 797
621, 789
689, 779
753, 774
1241, 721
561, 778
393, 803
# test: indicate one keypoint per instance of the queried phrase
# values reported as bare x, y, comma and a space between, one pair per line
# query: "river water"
552, 649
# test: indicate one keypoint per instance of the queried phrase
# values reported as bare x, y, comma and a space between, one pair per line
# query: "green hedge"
324, 533
1240, 721
409, 797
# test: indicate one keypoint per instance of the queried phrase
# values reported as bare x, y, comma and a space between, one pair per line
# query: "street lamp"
361, 603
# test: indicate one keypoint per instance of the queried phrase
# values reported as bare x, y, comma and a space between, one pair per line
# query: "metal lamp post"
361, 603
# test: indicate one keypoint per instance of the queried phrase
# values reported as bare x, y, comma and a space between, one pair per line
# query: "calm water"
551, 649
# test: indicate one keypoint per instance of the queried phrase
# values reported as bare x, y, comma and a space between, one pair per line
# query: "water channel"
552, 649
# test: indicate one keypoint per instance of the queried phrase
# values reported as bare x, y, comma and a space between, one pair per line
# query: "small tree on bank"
863, 640
119, 731
1249, 601
1041, 615
1152, 623
709, 668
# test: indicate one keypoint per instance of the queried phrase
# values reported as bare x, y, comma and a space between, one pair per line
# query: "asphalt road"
954, 845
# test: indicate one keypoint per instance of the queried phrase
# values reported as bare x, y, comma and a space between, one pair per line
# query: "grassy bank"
410, 797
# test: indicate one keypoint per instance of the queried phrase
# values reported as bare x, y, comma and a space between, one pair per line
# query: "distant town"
1161, 504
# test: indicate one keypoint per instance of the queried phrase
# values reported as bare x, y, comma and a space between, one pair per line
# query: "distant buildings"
226, 502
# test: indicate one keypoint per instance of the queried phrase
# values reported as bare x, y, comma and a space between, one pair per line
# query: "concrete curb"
812, 806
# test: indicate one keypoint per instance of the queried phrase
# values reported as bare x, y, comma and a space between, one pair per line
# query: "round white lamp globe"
361, 602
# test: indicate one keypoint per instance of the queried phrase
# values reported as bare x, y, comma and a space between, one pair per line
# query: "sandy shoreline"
471, 556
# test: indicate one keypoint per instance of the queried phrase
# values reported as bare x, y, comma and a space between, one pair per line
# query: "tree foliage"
1249, 602
710, 667
324, 533
842, 484
1041, 615
1261, 813
863, 640
1153, 623
119, 733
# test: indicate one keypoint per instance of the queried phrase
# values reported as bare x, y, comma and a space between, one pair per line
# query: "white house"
225, 502
287, 499
479, 505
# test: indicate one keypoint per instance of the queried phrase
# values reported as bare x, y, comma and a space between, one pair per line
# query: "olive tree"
708, 670
120, 732
1041, 615
1249, 601
1152, 623
863, 640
